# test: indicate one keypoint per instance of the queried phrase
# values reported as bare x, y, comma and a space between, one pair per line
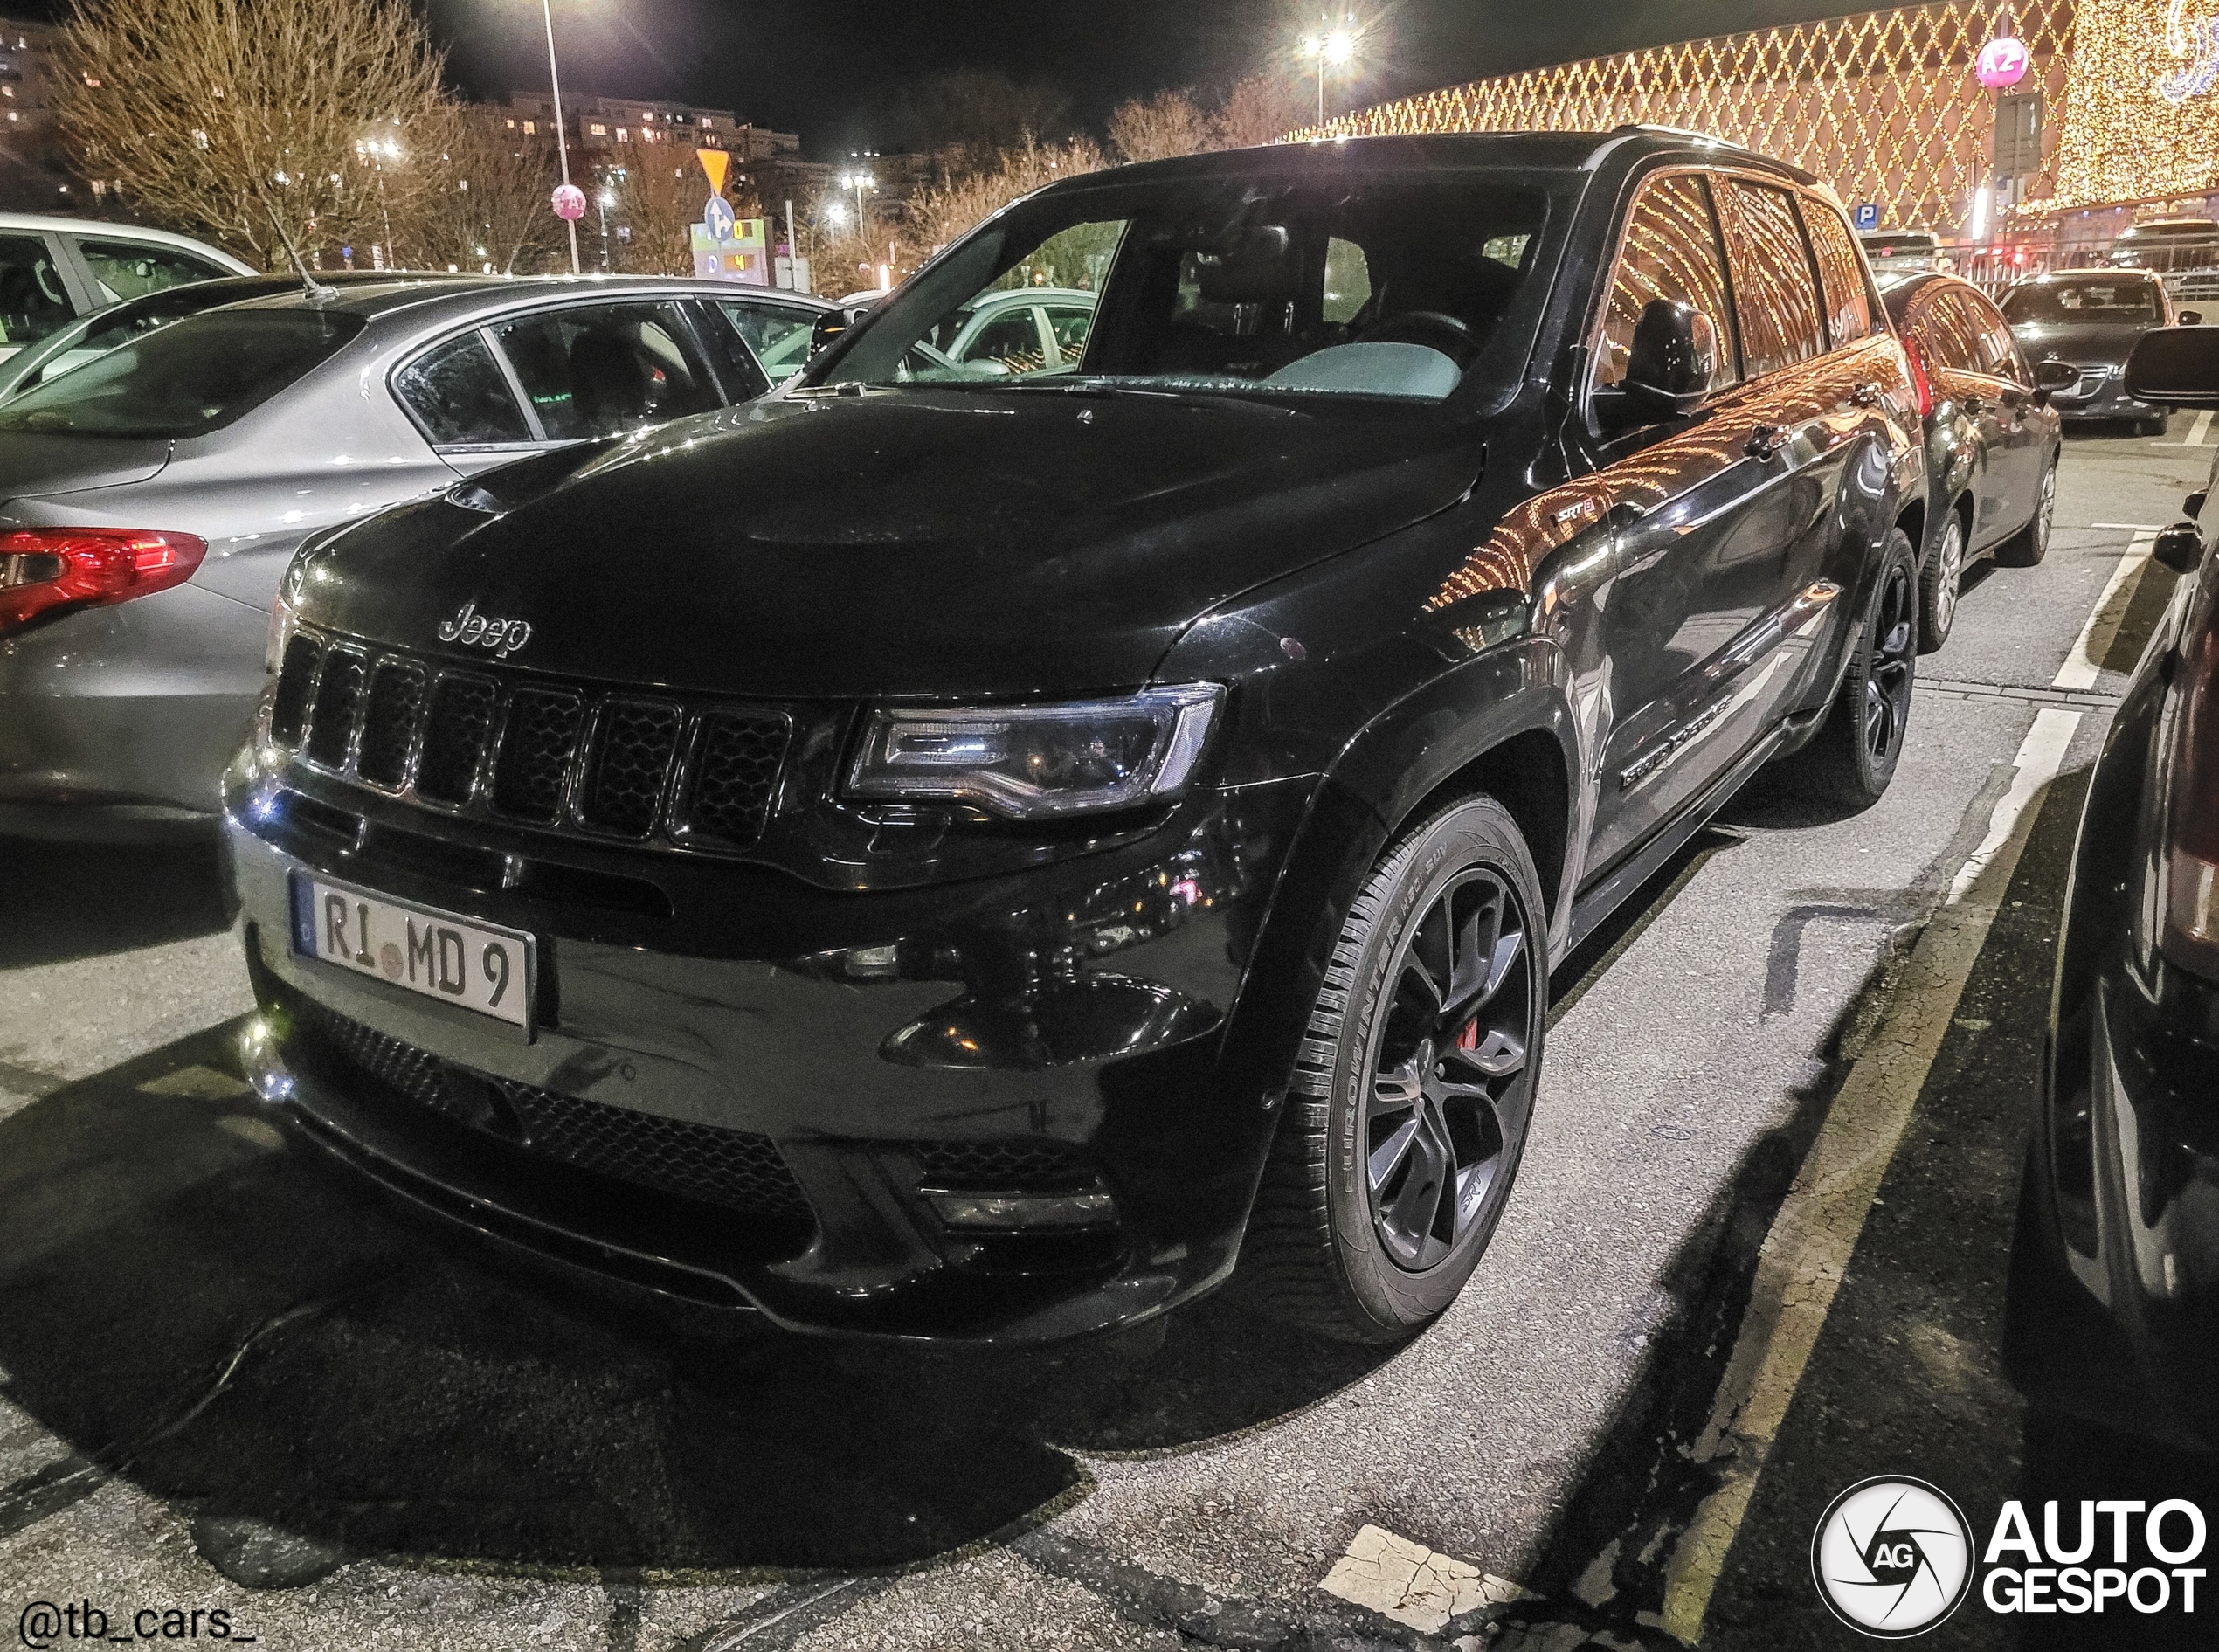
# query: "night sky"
832, 72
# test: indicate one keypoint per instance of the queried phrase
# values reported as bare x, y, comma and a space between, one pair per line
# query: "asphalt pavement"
233, 1382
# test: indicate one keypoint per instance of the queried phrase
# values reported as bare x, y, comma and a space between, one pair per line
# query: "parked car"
778, 327
2113, 1303
1110, 820
1992, 438
1901, 250
2090, 320
149, 498
2167, 244
53, 270
1020, 330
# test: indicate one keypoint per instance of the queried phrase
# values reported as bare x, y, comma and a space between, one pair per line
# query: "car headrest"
1249, 267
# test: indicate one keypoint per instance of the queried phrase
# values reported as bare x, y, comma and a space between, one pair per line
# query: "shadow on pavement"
64, 901
389, 1391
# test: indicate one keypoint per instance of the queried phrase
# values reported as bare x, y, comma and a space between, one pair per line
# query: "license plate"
441, 956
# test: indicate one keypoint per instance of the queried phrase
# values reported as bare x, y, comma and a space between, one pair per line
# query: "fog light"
259, 1058
1086, 1207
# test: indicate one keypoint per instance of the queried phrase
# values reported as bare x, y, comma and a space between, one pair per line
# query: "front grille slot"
390, 725
339, 692
537, 742
454, 739
1021, 1165
559, 758
634, 743
734, 1169
296, 682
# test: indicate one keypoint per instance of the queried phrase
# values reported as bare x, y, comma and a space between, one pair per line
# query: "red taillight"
42, 568
1922, 386
2189, 933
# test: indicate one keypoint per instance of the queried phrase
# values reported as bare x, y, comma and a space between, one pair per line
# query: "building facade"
1887, 107
33, 174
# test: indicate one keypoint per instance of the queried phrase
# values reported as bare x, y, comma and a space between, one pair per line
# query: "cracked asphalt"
231, 1380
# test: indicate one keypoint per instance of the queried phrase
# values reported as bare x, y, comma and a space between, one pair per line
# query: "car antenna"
318, 292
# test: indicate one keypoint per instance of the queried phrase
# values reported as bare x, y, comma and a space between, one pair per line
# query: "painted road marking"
1807, 1253
2198, 434
1411, 1583
2134, 527
2080, 669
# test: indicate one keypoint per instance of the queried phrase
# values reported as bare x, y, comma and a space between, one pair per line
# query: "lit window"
91, 78
7, 92
530, 128
646, 115
623, 136
512, 125
12, 115
599, 129
707, 121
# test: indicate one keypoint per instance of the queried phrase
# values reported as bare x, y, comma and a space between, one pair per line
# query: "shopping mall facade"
2116, 115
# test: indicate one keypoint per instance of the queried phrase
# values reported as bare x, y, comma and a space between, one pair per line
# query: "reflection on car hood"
2080, 341
32, 464
916, 542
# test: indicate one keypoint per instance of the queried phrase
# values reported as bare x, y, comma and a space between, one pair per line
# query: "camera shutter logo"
1892, 1556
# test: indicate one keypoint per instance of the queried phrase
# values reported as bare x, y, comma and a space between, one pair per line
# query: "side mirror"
830, 325
2050, 377
2175, 367
2180, 547
2189, 318
1669, 370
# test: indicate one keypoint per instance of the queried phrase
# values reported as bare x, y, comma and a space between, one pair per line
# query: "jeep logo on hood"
475, 630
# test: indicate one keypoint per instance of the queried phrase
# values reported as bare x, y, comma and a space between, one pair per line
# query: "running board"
1600, 900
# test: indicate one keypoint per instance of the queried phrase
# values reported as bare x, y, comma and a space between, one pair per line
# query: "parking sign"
1868, 216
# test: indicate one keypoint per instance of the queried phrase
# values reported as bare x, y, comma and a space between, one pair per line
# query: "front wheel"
1854, 756
1407, 1114
1939, 583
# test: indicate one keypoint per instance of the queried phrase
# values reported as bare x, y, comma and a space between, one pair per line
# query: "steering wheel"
1435, 329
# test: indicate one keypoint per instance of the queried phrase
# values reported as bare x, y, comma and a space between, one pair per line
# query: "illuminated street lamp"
1330, 45
562, 138
857, 182
377, 151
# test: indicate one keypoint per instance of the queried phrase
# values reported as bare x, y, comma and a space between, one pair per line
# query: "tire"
2150, 426
1853, 757
1939, 584
1439, 1098
2031, 543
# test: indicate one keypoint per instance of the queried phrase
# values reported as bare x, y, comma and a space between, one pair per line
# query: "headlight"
1033, 762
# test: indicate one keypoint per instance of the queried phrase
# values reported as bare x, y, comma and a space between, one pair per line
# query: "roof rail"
1681, 132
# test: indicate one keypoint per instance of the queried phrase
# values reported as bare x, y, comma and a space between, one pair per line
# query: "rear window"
187, 379
2097, 301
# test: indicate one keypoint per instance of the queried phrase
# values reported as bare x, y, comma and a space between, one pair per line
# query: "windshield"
1389, 287
193, 376
2082, 301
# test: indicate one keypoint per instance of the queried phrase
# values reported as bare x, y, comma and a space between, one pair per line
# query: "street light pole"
562, 138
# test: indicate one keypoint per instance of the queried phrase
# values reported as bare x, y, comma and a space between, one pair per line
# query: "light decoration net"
2127, 140
1885, 105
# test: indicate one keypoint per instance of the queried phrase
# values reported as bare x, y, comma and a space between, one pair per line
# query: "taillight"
1921, 385
2189, 854
42, 568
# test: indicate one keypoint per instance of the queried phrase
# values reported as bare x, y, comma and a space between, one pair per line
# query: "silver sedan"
149, 498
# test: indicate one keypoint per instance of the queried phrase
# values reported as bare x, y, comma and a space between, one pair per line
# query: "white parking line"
2083, 668
2199, 431
1807, 1253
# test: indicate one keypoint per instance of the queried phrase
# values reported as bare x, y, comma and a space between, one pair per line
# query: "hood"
912, 541
2079, 342
33, 464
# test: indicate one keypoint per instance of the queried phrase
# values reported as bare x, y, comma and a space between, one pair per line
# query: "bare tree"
940, 214
1160, 127
489, 206
230, 117
1261, 109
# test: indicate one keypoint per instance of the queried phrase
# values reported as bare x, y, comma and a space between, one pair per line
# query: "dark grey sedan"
2090, 319
149, 498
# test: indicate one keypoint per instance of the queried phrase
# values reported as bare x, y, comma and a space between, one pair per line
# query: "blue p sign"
1868, 216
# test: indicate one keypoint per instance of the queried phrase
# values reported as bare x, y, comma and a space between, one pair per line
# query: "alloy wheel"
1448, 1089
2046, 512
1952, 552
1887, 683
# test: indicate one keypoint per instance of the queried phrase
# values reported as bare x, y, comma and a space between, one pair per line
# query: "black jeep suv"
1072, 794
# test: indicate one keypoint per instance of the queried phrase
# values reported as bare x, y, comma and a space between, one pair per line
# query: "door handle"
1973, 407
1866, 395
1766, 441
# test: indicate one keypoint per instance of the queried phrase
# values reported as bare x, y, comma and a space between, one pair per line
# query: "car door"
606, 369
2021, 454
1962, 378
460, 395
778, 334
1690, 497
118, 268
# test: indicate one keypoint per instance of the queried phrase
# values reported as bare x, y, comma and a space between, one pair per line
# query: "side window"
457, 393
1071, 323
1946, 334
1348, 281
1670, 250
1841, 273
1775, 292
33, 303
778, 333
1995, 348
601, 370
1011, 338
130, 269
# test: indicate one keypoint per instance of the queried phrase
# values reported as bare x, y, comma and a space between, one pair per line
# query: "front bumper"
752, 1105
2101, 394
